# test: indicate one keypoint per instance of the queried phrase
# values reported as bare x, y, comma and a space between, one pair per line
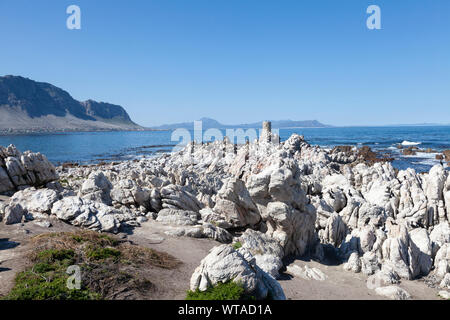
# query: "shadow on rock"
5, 244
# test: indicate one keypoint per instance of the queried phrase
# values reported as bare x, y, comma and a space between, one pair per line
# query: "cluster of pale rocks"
264, 201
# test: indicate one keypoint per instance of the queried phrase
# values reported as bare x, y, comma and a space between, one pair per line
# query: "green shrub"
101, 259
31, 285
222, 291
66, 256
237, 245
47, 279
102, 253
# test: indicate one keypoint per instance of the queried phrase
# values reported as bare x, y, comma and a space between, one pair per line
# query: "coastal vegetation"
107, 266
221, 291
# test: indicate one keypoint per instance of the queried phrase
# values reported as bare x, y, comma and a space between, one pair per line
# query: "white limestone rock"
224, 264
177, 217
235, 204
353, 263
294, 230
267, 251
393, 292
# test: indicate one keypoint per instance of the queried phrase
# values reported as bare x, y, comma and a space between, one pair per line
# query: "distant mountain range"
208, 123
28, 106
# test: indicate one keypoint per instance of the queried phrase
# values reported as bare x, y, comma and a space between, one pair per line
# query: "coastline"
25, 132
262, 204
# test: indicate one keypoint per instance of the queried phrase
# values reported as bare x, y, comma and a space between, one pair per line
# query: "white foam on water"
410, 143
428, 162
424, 158
423, 155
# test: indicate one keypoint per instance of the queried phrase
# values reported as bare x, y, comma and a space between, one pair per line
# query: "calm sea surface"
91, 147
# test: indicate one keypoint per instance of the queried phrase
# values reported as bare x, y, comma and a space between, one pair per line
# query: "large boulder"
234, 202
37, 203
19, 170
88, 214
294, 230
13, 213
97, 188
408, 255
224, 264
433, 186
335, 231
442, 261
266, 250
177, 197
129, 193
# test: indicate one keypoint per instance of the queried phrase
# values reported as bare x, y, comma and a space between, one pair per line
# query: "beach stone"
353, 263
444, 294
393, 292
442, 261
13, 213
445, 283
306, 272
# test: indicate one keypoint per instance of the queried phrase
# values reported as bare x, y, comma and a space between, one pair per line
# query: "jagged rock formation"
289, 198
21, 170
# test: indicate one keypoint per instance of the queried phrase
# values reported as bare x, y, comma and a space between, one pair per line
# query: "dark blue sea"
94, 147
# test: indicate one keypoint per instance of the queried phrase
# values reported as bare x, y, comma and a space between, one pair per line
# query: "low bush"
222, 291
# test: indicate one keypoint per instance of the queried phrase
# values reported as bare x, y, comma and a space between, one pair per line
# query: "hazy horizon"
328, 124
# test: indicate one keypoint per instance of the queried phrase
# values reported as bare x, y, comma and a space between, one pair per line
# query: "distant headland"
27, 106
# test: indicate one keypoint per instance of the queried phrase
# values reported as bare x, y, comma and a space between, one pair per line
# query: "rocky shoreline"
264, 201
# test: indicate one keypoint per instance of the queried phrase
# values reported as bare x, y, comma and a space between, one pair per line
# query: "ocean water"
94, 147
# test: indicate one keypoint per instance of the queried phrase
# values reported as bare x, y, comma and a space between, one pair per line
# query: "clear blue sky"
239, 61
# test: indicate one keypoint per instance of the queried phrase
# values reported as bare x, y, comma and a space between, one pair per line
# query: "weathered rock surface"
278, 200
393, 292
266, 250
18, 170
224, 264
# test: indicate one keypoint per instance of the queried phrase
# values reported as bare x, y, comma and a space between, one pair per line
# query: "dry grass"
111, 268
80, 240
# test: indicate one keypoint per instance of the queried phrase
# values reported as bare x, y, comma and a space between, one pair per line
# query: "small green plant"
53, 255
101, 259
102, 253
47, 278
237, 245
222, 291
78, 238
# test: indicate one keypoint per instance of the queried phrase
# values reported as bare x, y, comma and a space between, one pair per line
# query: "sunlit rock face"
300, 198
